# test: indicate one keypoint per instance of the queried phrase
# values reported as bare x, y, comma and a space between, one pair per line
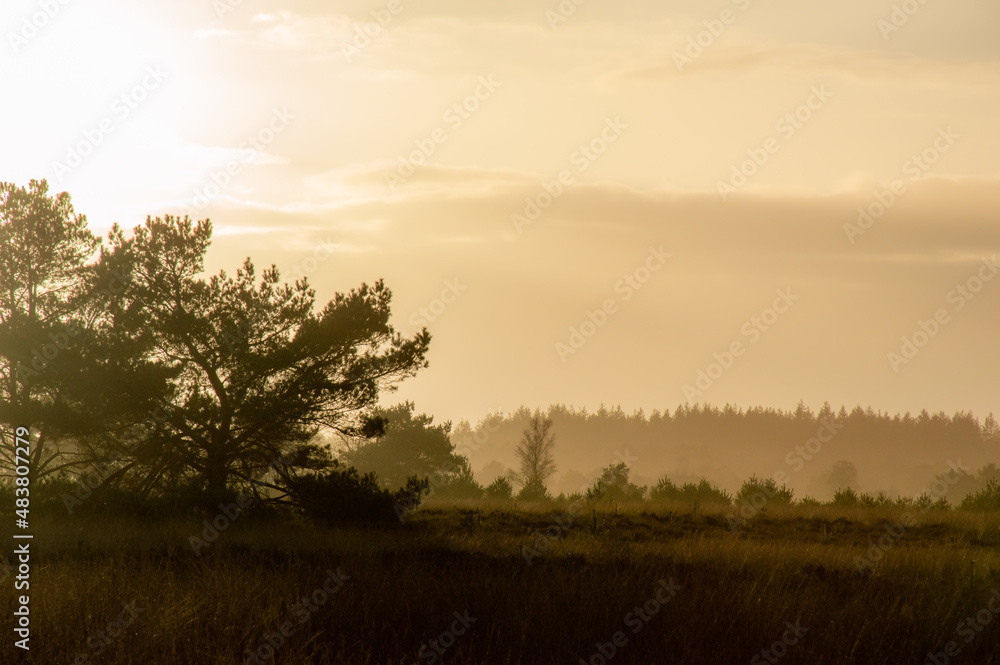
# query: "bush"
703, 492
941, 504
848, 498
85, 495
51, 495
754, 490
845, 498
924, 502
500, 490
534, 490
614, 485
664, 490
869, 501
987, 498
341, 494
459, 483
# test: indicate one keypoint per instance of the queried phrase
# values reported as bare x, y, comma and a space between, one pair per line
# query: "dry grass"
739, 588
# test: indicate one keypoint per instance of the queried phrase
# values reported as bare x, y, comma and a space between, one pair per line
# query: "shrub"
534, 490
459, 483
614, 485
869, 501
924, 502
845, 498
754, 491
703, 492
664, 490
987, 498
341, 494
941, 504
500, 489
87, 495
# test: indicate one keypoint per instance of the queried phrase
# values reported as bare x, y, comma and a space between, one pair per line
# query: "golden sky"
636, 203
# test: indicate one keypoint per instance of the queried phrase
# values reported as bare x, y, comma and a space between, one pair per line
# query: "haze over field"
638, 184
509, 332
813, 453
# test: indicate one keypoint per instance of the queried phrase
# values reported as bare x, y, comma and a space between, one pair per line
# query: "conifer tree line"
797, 443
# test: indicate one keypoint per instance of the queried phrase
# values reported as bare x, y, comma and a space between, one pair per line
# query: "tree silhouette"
534, 452
410, 445
500, 489
991, 430
255, 371
44, 246
614, 485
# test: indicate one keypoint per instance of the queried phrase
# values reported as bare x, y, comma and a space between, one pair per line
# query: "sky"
633, 203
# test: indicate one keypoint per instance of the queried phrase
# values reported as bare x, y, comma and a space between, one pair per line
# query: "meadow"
505, 583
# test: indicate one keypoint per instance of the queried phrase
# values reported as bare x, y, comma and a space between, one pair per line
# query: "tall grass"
739, 588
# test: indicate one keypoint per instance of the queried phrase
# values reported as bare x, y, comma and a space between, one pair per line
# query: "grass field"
454, 584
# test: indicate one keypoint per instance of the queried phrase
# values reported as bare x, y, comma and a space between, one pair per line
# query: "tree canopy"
255, 369
176, 376
534, 452
44, 248
410, 444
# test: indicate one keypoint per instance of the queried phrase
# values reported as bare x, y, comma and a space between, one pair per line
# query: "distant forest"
819, 452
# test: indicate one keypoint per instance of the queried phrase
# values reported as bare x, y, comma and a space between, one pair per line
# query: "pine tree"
991, 429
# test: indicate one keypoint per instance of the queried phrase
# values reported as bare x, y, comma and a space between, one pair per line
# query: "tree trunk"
216, 477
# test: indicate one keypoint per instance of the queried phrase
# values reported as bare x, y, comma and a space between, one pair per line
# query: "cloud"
727, 260
936, 220
388, 179
811, 58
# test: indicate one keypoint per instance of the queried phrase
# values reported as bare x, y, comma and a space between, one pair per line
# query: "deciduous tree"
534, 452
